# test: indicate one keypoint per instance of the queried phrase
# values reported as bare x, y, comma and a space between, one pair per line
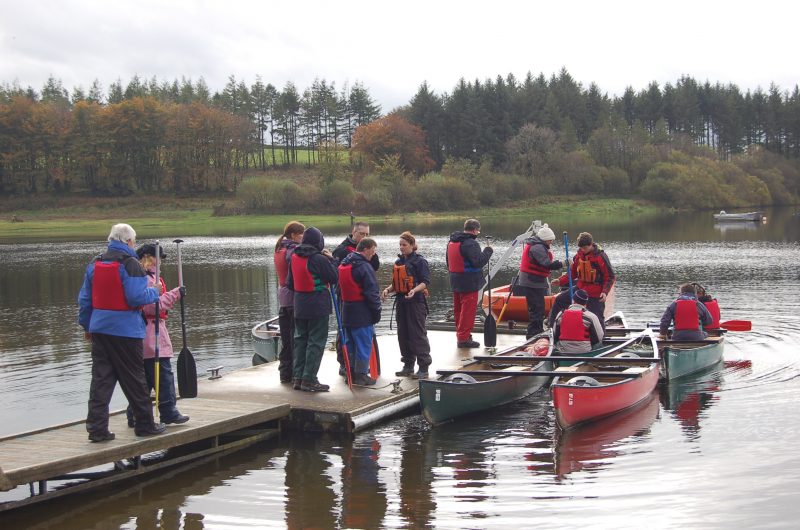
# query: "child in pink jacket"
168, 412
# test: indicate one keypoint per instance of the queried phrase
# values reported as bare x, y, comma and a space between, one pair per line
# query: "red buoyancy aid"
686, 315
351, 290
281, 266
530, 266
572, 326
107, 290
455, 261
303, 279
713, 308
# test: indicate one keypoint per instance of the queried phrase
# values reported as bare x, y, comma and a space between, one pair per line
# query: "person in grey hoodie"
534, 271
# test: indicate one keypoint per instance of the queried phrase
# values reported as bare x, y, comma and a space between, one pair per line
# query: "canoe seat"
634, 369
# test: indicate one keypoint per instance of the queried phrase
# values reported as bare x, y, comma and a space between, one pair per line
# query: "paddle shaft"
567, 265
180, 283
158, 323
490, 326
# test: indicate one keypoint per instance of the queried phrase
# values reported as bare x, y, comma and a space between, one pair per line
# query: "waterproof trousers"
359, 348
534, 296
117, 359
285, 358
412, 334
465, 305
310, 336
167, 409
598, 308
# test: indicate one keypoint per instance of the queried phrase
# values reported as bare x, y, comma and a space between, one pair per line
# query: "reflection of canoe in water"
684, 359
266, 341
517, 309
585, 446
605, 385
460, 393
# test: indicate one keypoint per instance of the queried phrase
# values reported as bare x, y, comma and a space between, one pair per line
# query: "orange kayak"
518, 308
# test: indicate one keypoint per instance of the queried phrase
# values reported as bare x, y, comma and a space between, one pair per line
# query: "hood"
312, 236
460, 236
353, 258
534, 240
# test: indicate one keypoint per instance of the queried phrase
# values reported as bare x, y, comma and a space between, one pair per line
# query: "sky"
393, 47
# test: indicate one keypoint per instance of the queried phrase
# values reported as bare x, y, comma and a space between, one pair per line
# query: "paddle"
158, 324
569, 269
736, 325
187, 369
490, 326
508, 298
342, 337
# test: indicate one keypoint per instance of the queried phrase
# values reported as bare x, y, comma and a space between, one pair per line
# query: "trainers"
469, 344
306, 386
363, 380
296, 383
405, 372
342, 371
179, 418
102, 437
421, 374
156, 428
286, 380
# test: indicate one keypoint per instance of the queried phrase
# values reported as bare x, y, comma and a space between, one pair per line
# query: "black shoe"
363, 380
306, 386
180, 418
131, 423
421, 374
342, 371
406, 371
156, 428
286, 380
102, 437
469, 344
296, 383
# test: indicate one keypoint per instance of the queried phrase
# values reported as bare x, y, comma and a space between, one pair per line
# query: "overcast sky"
392, 47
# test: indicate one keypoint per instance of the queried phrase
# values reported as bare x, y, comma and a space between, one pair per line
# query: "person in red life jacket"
592, 272
113, 291
348, 244
688, 314
168, 411
534, 271
292, 235
577, 329
361, 307
311, 270
711, 304
465, 262
410, 279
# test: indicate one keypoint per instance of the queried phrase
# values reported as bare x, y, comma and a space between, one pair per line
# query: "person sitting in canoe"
711, 304
689, 315
577, 329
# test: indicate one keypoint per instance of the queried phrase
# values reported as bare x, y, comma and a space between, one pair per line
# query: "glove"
182, 290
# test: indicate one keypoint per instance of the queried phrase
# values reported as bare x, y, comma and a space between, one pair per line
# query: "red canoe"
580, 397
518, 308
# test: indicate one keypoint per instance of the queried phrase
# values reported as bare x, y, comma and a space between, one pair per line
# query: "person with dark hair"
361, 307
711, 304
465, 262
284, 247
688, 314
167, 399
410, 279
311, 270
592, 272
576, 329
114, 288
534, 271
348, 244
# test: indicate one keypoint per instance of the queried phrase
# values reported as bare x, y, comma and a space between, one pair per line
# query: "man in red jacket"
592, 271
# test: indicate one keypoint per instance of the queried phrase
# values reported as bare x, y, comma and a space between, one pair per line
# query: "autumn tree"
393, 135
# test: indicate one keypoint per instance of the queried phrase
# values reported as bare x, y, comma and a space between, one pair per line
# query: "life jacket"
281, 265
455, 261
713, 308
304, 281
686, 316
351, 289
402, 281
162, 313
572, 326
107, 290
585, 272
530, 266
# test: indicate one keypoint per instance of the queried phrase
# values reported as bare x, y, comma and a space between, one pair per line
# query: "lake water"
716, 451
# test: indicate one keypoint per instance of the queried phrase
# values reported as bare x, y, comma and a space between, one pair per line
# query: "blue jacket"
134, 282
686, 334
468, 282
368, 311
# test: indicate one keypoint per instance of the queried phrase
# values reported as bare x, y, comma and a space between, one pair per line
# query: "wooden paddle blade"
736, 325
490, 332
187, 374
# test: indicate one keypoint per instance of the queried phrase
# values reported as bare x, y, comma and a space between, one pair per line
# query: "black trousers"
117, 359
412, 334
285, 359
534, 296
598, 308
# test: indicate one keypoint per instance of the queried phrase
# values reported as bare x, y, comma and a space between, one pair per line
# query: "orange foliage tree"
393, 135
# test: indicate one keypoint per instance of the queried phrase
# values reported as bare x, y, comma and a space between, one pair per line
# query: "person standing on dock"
410, 279
465, 262
689, 315
167, 408
361, 307
292, 235
534, 271
311, 270
114, 289
576, 329
348, 244
594, 274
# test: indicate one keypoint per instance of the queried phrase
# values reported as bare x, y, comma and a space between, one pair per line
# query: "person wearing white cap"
534, 270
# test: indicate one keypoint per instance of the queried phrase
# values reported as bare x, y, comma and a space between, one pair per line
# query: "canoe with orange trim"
518, 308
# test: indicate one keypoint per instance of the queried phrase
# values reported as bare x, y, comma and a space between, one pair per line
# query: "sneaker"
296, 383
156, 428
306, 386
342, 371
179, 418
101, 437
469, 344
405, 372
286, 380
363, 380
421, 374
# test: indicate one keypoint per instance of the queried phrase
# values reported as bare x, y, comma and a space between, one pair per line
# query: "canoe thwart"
537, 373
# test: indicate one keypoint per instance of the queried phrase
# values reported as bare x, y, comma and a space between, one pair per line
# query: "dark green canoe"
687, 358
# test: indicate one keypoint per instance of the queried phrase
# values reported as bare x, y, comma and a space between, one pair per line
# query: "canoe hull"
684, 361
266, 341
749, 216
517, 309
